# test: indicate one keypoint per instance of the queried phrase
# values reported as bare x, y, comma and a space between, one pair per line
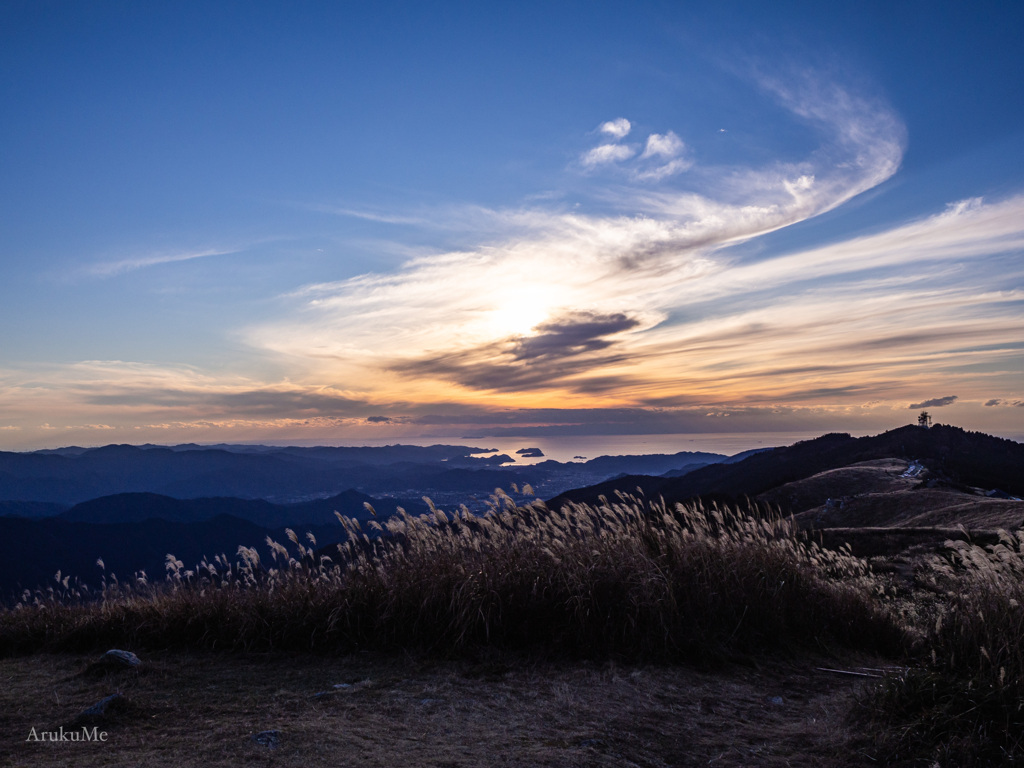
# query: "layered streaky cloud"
935, 402
181, 402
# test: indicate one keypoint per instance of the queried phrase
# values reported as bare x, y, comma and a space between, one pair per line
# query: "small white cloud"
663, 145
607, 153
617, 128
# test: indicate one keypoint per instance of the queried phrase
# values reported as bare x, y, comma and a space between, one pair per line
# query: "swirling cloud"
464, 320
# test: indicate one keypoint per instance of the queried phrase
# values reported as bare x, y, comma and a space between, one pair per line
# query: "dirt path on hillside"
205, 709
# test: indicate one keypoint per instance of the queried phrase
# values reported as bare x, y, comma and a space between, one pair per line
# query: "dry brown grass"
626, 578
962, 704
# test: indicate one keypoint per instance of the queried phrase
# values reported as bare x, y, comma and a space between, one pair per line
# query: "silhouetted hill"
30, 509
971, 458
136, 531
31, 551
138, 507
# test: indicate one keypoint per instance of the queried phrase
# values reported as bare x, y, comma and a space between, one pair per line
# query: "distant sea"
591, 446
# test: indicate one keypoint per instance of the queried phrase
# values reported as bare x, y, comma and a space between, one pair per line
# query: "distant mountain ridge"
286, 474
79, 475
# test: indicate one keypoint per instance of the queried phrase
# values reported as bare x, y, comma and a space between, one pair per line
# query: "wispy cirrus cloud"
132, 263
664, 170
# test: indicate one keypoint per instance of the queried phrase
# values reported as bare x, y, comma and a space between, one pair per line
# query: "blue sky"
245, 221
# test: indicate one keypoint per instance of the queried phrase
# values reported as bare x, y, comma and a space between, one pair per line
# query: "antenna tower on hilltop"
924, 420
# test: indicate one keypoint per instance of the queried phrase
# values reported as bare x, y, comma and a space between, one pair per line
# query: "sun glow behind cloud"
654, 307
459, 325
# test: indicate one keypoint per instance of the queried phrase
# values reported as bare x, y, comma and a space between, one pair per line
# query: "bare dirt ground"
193, 709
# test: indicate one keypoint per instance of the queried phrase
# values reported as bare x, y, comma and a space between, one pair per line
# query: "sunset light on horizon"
260, 222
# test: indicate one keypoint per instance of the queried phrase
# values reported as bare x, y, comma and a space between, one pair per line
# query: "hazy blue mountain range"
73, 475
192, 472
